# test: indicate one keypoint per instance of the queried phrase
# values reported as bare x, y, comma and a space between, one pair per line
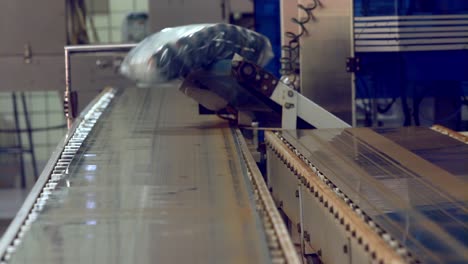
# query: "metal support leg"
67, 104
301, 219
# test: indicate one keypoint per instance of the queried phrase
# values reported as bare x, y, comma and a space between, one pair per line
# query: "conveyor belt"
153, 182
408, 185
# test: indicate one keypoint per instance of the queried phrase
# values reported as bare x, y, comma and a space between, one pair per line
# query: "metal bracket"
70, 104
253, 76
289, 116
293, 104
353, 64
27, 53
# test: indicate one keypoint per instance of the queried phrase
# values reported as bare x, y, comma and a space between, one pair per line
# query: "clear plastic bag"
174, 52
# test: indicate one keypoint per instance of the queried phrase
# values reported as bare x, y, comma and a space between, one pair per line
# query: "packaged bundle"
174, 52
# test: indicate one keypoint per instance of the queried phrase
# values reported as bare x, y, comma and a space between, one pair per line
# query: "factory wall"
45, 108
48, 123
108, 21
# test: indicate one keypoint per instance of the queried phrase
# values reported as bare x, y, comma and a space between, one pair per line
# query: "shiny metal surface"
154, 182
411, 182
323, 54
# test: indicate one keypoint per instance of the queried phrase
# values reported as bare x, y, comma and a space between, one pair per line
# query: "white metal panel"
296, 105
283, 185
326, 233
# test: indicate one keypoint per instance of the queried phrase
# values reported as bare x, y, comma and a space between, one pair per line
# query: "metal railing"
70, 97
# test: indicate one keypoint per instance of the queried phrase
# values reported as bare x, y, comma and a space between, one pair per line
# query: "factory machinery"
142, 177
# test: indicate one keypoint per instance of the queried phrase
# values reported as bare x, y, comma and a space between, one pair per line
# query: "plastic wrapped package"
174, 52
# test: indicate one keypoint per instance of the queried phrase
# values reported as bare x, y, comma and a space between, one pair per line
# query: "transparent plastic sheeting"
153, 183
174, 52
413, 182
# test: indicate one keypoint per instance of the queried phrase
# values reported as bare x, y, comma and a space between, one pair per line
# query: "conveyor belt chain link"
280, 245
60, 169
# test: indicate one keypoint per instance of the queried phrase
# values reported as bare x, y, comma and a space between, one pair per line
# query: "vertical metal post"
67, 95
375, 111
255, 134
353, 74
301, 219
30, 137
20, 140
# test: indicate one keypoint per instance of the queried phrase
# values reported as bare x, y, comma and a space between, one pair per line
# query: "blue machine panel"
364, 8
410, 42
411, 48
414, 49
267, 22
